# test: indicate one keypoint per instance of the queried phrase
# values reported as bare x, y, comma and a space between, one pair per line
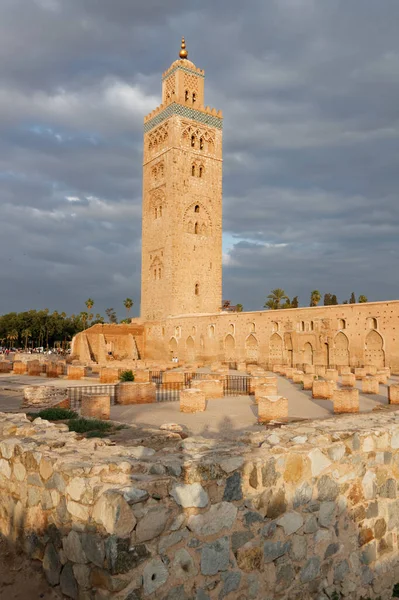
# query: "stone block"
370, 385
51, 370
6, 366
76, 373
331, 374
393, 393
382, 377
386, 370
277, 368
19, 367
215, 366
34, 368
289, 371
44, 395
308, 379
344, 370
371, 369
266, 389
360, 372
309, 369
211, 387
173, 377
272, 408
142, 376
322, 389
254, 382
96, 406
61, 368
346, 400
109, 375
320, 370
192, 400
241, 366
297, 376
131, 392
348, 379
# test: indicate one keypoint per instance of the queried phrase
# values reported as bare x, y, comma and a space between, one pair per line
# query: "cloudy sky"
310, 95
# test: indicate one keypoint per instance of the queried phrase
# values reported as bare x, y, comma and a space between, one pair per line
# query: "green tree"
239, 307
89, 304
128, 303
12, 336
83, 317
287, 304
327, 301
315, 297
98, 319
111, 314
334, 300
295, 302
362, 298
352, 299
276, 296
271, 304
26, 333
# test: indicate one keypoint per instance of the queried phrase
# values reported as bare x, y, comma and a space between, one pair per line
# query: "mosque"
181, 280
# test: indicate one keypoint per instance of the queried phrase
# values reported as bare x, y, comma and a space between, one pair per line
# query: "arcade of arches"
353, 335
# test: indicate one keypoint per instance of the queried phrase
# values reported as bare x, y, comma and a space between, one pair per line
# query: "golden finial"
183, 52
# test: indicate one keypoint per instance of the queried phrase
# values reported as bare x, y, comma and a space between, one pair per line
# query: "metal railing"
169, 392
75, 393
236, 385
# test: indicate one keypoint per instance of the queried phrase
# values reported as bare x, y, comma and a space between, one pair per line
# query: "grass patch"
55, 414
85, 425
98, 434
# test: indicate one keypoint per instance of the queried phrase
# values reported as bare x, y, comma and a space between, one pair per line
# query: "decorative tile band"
183, 111
185, 69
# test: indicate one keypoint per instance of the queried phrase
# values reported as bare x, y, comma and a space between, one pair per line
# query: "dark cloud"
309, 93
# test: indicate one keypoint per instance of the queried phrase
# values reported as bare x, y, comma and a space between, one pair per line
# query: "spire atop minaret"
183, 52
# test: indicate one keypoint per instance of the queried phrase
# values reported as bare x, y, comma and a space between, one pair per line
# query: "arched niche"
276, 349
341, 350
374, 349
173, 347
251, 349
190, 348
308, 354
229, 347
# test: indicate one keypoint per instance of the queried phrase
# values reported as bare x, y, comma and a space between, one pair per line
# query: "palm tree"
89, 304
128, 303
26, 333
315, 297
83, 317
276, 296
12, 336
271, 304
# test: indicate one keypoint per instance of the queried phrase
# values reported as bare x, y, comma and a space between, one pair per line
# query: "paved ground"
227, 414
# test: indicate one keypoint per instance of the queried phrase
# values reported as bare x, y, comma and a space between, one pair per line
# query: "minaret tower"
182, 199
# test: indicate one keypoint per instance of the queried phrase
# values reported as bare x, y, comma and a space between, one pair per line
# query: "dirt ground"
21, 579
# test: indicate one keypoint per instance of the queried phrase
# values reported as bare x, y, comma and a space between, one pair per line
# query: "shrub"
55, 414
126, 376
82, 425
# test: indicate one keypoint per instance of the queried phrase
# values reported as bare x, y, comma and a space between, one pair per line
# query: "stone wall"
347, 334
303, 511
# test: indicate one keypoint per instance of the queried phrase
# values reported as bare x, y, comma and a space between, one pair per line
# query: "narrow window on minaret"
201, 143
193, 141
194, 97
186, 96
196, 209
193, 170
201, 169
160, 211
155, 273
196, 228
197, 289
159, 274
156, 213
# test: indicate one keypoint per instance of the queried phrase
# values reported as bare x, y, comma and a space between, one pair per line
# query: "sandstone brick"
370, 385
297, 376
271, 408
382, 377
192, 400
393, 393
136, 393
76, 373
346, 400
360, 373
309, 369
19, 368
211, 388
109, 375
323, 389
173, 377
308, 379
96, 406
142, 376
331, 374
266, 389
348, 379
